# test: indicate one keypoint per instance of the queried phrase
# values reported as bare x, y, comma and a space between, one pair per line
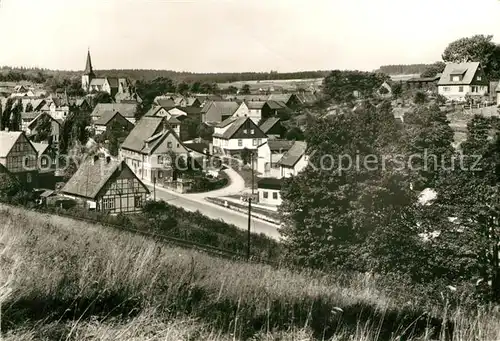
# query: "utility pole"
249, 222
154, 188
251, 155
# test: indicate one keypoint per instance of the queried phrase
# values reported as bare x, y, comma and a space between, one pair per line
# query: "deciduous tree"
478, 48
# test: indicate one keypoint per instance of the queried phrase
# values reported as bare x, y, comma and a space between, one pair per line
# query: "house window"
254, 142
160, 159
28, 178
160, 174
178, 145
108, 203
259, 141
460, 89
169, 144
252, 131
275, 195
44, 161
138, 201
240, 143
478, 78
266, 195
245, 131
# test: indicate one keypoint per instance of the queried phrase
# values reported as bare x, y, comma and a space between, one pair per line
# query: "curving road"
196, 202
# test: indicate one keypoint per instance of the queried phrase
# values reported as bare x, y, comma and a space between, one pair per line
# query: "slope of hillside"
77, 281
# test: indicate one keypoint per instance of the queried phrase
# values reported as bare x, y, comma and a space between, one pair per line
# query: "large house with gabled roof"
235, 134
460, 79
107, 185
148, 148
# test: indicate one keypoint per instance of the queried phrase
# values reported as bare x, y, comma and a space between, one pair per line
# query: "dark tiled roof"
268, 124
226, 122
294, 154
113, 82
280, 97
276, 104
106, 117
40, 115
165, 102
235, 126
269, 183
127, 110
197, 147
280, 145
143, 130
468, 70
91, 177
307, 98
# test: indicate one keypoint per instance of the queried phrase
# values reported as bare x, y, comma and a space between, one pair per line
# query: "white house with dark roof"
294, 160
255, 110
460, 79
235, 134
269, 154
148, 147
269, 191
107, 185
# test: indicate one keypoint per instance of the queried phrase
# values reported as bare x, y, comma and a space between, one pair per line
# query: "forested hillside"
41, 75
403, 69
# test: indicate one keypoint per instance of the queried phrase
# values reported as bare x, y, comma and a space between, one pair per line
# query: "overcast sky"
238, 35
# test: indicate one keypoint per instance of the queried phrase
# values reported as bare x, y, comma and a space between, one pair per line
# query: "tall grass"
75, 281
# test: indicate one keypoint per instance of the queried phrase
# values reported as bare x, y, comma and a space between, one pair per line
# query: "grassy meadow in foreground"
66, 280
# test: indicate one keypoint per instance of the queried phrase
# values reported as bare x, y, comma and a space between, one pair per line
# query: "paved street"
217, 212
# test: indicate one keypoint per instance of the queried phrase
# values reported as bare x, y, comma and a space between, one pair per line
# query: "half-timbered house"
107, 185
19, 156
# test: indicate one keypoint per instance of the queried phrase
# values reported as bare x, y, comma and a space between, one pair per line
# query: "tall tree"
341, 86
429, 143
245, 89
478, 48
43, 129
16, 119
333, 206
470, 194
6, 113
182, 88
434, 69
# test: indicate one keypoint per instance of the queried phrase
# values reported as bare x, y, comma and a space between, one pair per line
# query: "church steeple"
88, 66
88, 73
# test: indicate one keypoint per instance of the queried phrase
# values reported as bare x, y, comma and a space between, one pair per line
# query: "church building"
112, 85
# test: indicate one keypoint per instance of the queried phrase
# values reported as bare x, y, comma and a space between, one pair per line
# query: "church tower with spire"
88, 74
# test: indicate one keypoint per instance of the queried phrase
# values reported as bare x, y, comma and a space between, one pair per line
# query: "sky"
237, 35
